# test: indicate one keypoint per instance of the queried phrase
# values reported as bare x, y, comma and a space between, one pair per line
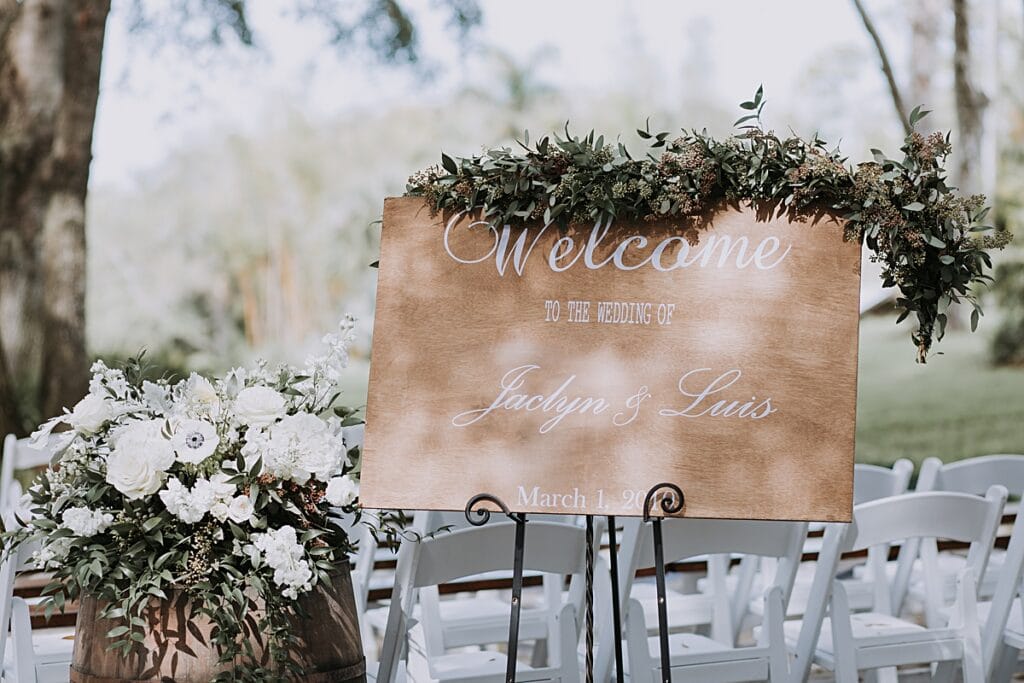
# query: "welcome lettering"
511, 251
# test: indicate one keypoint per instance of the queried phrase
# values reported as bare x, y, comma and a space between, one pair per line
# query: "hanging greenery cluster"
924, 234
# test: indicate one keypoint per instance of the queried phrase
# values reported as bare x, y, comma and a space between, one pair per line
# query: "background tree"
50, 60
974, 80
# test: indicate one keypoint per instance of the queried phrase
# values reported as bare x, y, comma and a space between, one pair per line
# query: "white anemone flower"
194, 441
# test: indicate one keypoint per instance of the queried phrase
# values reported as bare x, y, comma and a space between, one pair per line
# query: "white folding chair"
847, 642
40, 656
550, 548
18, 455
1003, 617
873, 482
694, 656
480, 618
974, 476
870, 482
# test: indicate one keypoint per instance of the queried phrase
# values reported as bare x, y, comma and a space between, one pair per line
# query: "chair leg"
842, 636
1006, 665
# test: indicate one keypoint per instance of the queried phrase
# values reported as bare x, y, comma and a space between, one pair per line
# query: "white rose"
194, 441
259, 406
90, 414
341, 491
132, 475
240, 509
145, 440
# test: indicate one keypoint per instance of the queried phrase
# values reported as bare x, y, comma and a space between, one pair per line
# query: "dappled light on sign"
569, 371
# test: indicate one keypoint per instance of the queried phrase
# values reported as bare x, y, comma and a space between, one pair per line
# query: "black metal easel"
478, 516
670, 505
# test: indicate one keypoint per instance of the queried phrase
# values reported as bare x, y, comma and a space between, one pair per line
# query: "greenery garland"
917, 227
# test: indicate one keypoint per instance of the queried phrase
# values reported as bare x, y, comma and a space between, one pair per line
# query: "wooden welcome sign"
570, 372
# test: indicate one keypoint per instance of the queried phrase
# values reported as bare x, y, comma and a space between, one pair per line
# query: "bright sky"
151, 104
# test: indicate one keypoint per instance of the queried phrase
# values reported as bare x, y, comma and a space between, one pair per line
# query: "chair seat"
52, 649
869, 628
1013, 635
462, 615
53, 645
683, 609
950, 566
691, 648
480, 665
859, 593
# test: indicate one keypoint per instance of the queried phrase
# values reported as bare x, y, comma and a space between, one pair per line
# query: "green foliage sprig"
922, 232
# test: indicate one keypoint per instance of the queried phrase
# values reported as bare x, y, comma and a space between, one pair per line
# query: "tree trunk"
50, 52
970, 104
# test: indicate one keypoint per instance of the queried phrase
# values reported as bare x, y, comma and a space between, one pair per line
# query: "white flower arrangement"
188, 486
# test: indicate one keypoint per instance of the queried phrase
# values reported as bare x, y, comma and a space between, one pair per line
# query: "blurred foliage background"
240, 168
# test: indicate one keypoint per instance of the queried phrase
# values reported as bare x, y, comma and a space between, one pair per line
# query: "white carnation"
82, 521
301, 446
259, 406
190, 505
156, 396
282, 552
341, 491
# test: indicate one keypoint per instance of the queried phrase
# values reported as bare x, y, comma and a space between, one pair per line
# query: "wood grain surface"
729, 366
177, 644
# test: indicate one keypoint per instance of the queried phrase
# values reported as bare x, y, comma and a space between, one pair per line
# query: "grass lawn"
955, 406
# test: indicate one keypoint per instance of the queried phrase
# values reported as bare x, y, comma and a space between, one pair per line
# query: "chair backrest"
18, 455
429, 597
551, 548
683, 539
871, 482
927, 516
717, 540
973, 475
937, 515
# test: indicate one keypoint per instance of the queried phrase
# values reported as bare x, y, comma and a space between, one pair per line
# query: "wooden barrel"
176, 648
